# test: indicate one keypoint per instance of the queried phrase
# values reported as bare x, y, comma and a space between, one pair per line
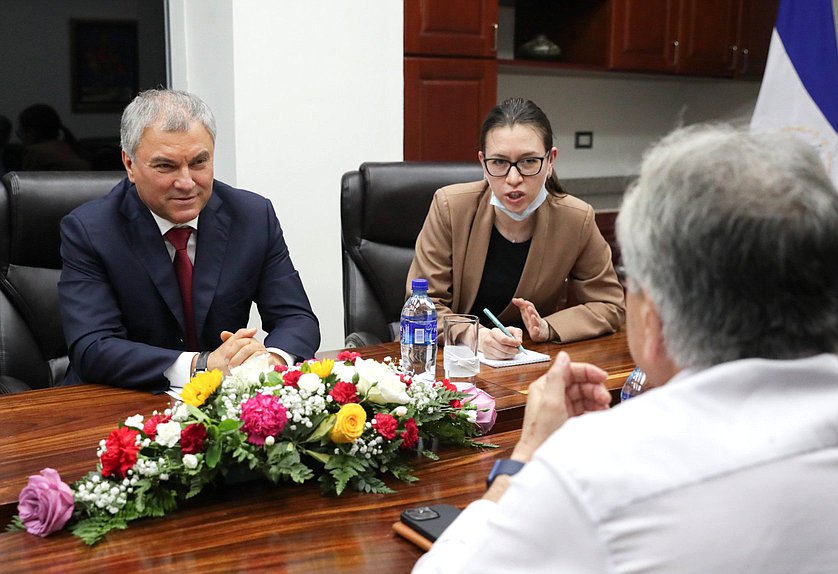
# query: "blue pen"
500, 326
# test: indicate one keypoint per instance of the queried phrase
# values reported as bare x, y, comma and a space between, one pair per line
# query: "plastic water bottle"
418, 331
635, 384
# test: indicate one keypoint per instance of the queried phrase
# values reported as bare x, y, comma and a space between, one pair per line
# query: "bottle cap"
419, 285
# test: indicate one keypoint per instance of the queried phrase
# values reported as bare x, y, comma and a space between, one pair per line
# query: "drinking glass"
459, 354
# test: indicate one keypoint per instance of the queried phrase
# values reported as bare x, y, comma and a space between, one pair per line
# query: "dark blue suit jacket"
120, 301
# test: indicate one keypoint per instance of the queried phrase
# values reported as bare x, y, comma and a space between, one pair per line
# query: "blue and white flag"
799, 90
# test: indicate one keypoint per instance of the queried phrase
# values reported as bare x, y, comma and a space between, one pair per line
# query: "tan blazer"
566, 247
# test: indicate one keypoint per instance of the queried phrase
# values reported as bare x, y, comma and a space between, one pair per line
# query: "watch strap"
201, 362
505, 466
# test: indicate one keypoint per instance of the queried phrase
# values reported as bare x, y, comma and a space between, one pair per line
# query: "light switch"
584, 140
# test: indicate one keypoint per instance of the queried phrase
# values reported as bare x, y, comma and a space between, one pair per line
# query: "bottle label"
418, 332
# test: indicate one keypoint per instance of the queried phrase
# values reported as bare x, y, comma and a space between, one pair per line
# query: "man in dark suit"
125, 305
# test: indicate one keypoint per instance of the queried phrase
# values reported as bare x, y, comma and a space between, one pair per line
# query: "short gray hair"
174, 110
734, 237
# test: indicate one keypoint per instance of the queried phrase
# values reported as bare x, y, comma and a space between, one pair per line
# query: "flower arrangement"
350, 422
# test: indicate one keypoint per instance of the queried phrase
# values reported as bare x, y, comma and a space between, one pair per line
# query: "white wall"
626, 112
303, 92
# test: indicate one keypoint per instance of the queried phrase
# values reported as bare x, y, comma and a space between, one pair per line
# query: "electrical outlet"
584, 140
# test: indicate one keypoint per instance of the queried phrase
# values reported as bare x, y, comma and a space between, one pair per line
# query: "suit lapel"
475, 256
143, 237
213, 234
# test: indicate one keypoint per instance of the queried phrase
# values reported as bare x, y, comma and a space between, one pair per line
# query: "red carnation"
121, 452
192, 438
348, 356
410, 434
290, 378
344, 393
150, 426
280, 368
386, 425
449, 386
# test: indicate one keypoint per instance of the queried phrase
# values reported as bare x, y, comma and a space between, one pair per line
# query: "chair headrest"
394, 197
32, 205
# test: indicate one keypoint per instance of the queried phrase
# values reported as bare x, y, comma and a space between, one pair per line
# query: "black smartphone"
430, 521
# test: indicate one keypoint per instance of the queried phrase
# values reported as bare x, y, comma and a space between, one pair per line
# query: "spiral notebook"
524, 357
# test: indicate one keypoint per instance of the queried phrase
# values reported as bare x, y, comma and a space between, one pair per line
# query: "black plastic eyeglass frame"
511, 164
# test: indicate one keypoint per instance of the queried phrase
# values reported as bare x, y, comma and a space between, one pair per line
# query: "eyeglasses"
526, 166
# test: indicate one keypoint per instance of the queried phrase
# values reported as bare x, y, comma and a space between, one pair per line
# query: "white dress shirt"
731, 469
180, 371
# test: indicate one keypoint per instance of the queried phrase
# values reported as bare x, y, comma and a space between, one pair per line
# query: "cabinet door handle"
495, 43
676, 44
744, 61
733, 57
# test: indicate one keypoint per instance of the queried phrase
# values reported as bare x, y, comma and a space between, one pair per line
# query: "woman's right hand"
496, 345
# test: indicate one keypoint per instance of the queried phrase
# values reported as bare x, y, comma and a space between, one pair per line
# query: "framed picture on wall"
104, 64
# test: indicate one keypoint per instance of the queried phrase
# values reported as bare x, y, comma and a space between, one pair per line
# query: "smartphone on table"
422, 525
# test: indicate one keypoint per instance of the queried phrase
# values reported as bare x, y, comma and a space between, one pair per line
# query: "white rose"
310, 382
381, 384
344, 372
400, 411
168, 434
136, 422
253, 367
190, 461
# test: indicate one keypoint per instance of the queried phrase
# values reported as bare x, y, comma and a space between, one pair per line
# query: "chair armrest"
360, 339
10, 385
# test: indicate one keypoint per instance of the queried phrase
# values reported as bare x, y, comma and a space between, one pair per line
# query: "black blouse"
501, 273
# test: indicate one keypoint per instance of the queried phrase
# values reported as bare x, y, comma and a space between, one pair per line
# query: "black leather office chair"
33, 353
382, 209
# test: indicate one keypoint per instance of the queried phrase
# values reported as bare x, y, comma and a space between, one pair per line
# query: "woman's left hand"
537, 327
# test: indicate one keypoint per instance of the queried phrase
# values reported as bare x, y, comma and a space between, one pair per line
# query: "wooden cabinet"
450, 77
644, 35
445, 101
446, 28
726, 38
756, 22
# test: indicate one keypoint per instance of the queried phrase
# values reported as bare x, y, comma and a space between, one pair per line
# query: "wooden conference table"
286, 528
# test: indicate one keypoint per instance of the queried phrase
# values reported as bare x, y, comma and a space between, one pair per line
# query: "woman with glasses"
515, 243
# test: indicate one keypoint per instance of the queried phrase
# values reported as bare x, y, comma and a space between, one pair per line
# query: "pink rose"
263, 416
485, 403
45, 504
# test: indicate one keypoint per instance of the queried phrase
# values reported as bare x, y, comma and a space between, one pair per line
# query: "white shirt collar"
165, 225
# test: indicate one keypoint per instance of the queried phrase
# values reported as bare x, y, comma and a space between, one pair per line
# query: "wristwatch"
503, 466
201, 362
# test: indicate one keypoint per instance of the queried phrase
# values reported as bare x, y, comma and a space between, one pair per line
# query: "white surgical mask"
530, 209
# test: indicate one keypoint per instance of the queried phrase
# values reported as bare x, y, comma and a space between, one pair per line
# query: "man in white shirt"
730, 247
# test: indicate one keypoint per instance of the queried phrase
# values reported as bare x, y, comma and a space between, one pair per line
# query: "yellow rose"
322, 368
349, 423
199, 389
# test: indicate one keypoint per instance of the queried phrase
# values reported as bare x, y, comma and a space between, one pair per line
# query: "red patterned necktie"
179, 237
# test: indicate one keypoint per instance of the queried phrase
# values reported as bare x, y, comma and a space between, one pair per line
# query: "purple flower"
263, 416
485, 403
45, 504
